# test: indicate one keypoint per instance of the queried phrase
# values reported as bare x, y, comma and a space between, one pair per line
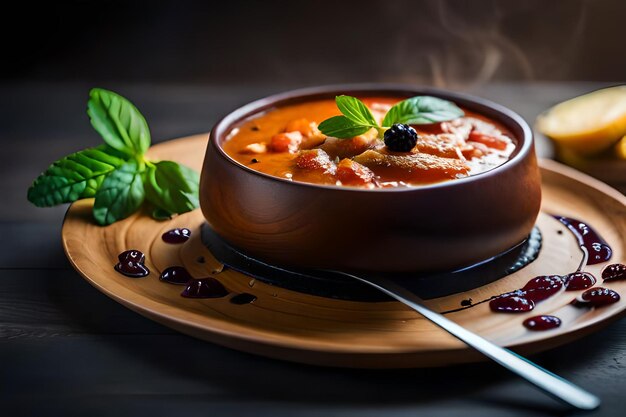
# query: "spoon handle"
550, 383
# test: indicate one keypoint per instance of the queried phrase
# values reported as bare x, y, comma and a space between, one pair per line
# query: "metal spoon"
555, 386
550, 383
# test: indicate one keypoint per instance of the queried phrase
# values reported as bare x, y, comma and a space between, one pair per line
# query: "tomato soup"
285, 142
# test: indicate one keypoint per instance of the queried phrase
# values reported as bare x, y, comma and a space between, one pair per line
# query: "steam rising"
465, 44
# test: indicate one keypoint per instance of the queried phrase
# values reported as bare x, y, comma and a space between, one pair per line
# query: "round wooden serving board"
304, 328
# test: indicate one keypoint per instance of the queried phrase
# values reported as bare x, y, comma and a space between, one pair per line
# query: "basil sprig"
358, 119
117, 173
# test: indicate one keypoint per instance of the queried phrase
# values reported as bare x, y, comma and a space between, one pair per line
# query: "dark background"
446, 43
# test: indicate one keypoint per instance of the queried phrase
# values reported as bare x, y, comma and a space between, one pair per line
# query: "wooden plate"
304, 328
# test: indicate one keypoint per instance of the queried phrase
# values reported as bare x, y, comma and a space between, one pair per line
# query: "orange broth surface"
438, 156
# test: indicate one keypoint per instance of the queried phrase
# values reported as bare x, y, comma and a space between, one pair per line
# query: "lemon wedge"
587, 124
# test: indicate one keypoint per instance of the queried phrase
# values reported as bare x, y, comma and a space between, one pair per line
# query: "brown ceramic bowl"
434, 227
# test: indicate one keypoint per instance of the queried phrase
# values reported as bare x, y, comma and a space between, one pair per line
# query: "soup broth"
285, 142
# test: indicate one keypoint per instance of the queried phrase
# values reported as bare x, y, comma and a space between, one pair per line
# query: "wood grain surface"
294, 326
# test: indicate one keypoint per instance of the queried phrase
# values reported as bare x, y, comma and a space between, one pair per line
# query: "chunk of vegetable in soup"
285, 142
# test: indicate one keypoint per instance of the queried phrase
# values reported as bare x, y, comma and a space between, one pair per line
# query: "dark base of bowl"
425, 285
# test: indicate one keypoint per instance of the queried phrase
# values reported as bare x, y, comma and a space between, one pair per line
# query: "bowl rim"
224, 125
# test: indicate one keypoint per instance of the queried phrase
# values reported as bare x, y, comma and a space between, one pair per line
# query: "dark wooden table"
66, 349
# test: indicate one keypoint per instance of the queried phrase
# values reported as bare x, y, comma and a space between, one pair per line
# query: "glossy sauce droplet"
599, 251
579, 281
614, 272
542, 322
175, 236
243, 298
204, 288
131, 264
511, 304
596, 297
175, 275
542, 287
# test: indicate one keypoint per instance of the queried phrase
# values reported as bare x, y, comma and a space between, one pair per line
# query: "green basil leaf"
342, 127
193, 180
76, 176
422, 110
355, 110
172, 187
119, 122
120, 194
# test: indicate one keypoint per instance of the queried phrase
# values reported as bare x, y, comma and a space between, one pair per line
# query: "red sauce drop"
511, 304
542, 287
204, 288
597, 297
599, 251
542, 322
175, 275
579, 281
614, 272
535, 290
131, 264
175, 236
